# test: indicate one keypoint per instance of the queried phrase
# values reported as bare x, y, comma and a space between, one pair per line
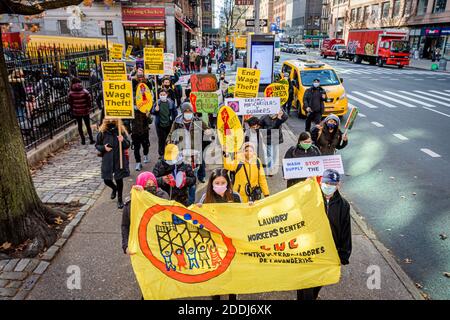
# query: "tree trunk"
22, 214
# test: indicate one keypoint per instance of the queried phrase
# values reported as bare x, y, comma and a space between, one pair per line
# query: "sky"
217, 7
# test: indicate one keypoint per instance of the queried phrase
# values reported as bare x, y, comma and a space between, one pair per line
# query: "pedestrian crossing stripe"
425, 98
441, 93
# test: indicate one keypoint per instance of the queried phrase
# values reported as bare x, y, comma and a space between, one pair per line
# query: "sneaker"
113, 194
146, 159
138, 166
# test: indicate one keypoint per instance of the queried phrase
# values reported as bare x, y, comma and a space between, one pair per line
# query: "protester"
172, 168
219, 189
192, 56
223, 84
107, 144
198, 62
17, 82
338, 213
140, 136
273, 124
80, 102
328, 137
144, 181
249, 178
186, 59
313, 104
139, 77
177, 86
165, 113
167, 85
303, 149
288, 104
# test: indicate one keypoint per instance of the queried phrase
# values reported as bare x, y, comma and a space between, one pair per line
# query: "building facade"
305, 19
279, 13
266, 12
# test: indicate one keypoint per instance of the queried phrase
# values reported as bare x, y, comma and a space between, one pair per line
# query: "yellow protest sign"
114, 71
241, 42
229, 130
282, 242
144, 98
153, 61
128, 53
277, 90
116, 51
118, 99
247, 83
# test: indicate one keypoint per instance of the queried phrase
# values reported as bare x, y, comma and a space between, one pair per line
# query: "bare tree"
230, 16
22, 214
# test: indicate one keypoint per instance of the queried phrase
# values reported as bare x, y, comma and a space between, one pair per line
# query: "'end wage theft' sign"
118, 99
247, 83
311, 166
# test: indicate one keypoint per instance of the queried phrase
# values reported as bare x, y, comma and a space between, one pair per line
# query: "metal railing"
39, 79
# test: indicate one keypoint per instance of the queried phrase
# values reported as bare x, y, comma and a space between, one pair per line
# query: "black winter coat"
162, 169
270, 124
111, 160
328, 142
308, 100
140, 124
338, 212
296, 152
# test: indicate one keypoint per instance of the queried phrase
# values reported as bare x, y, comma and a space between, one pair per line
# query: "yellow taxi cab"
303, 72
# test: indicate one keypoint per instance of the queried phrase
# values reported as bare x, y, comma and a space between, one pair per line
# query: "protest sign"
254, 106
203, 82
204, 102
283, 242
229, 130
153, 61
247, 83
128, 52
183, 80
277, 90
118, 99
114, 71
311, 166
351, 119
116, 51
168, 63
144, 98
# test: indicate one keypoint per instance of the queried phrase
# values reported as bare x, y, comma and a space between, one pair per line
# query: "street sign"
251, 22
273, 27
243, 2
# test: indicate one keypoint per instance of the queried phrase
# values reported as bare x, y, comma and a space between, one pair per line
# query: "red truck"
333, 48
378, 46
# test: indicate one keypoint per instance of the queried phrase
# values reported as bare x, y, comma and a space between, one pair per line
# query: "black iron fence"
40, 81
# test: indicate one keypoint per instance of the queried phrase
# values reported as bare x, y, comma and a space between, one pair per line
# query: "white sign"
311, 167
183, 80
168, 63
254, 106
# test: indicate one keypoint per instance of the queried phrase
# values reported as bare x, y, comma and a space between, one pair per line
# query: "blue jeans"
272, 159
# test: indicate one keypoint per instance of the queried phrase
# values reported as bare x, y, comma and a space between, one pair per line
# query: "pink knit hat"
143, 177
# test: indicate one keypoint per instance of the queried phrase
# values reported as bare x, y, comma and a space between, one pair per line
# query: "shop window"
358, 14
375, 12
422, 7
109, 26
366, 13
396, 8
63, 29
385, 9
439, 6
407, 8
353, 15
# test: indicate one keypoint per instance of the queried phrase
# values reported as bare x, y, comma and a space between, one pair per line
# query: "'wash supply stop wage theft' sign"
114, 71
247, 83
311, 166
118, 99
154, 61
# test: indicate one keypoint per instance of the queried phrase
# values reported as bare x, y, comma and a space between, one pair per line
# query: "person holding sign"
165, 113
313, 104
303, 149
328, 137
338, 213
249, 177
107, 144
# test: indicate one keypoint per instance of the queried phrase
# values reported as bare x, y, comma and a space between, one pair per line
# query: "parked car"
299, 48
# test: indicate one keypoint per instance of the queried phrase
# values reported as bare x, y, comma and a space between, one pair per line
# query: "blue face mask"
328, 189
331, 125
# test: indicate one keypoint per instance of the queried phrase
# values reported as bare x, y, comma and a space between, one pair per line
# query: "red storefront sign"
134, 16
11, 40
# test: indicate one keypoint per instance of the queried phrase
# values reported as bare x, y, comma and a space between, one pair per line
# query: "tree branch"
14, 7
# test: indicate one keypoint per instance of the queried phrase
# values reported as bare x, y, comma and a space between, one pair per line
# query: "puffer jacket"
308, 99
268, 123
79, 100
296, 152
255, 174
328, 141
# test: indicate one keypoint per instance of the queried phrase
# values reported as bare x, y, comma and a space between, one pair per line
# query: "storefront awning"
148, 23
189, 29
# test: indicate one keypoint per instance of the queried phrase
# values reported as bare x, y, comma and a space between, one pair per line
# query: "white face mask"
316, 84
328, 189
163, 98
188, 116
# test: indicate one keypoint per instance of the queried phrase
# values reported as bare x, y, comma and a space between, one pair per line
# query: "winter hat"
143, 177
186, 106
171, 152
331, 176
332, 117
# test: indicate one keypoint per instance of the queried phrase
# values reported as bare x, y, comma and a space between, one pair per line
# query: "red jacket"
79, 100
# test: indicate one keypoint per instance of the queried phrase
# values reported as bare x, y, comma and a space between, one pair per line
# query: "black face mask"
151, 189
111, 125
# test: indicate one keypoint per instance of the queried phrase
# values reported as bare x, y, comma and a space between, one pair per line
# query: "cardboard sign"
116, 51
204, 83
114, 71
247, 83
229, 130
311, 166
351, 118
144, 98
128, 53
277, 90
153, 61
204, 102
254, 106
118, 99
168, 63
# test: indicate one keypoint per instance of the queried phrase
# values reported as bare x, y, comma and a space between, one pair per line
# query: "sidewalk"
106, 273
426, 64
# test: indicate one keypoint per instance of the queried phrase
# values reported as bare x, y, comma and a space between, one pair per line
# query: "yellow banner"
241, 42
153, 61
247, 83
116, 51
277, 90
282, 242
118, 99
114, 71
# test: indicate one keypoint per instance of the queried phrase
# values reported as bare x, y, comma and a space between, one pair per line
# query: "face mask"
222, 78
163, 98
328, 189
220, 189
151, 189
188, 116
305, 146
316, 84
331, 125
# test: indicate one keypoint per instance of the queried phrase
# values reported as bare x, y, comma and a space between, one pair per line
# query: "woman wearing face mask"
165, 112
303, 149
144, 181
328, 137
107, 144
